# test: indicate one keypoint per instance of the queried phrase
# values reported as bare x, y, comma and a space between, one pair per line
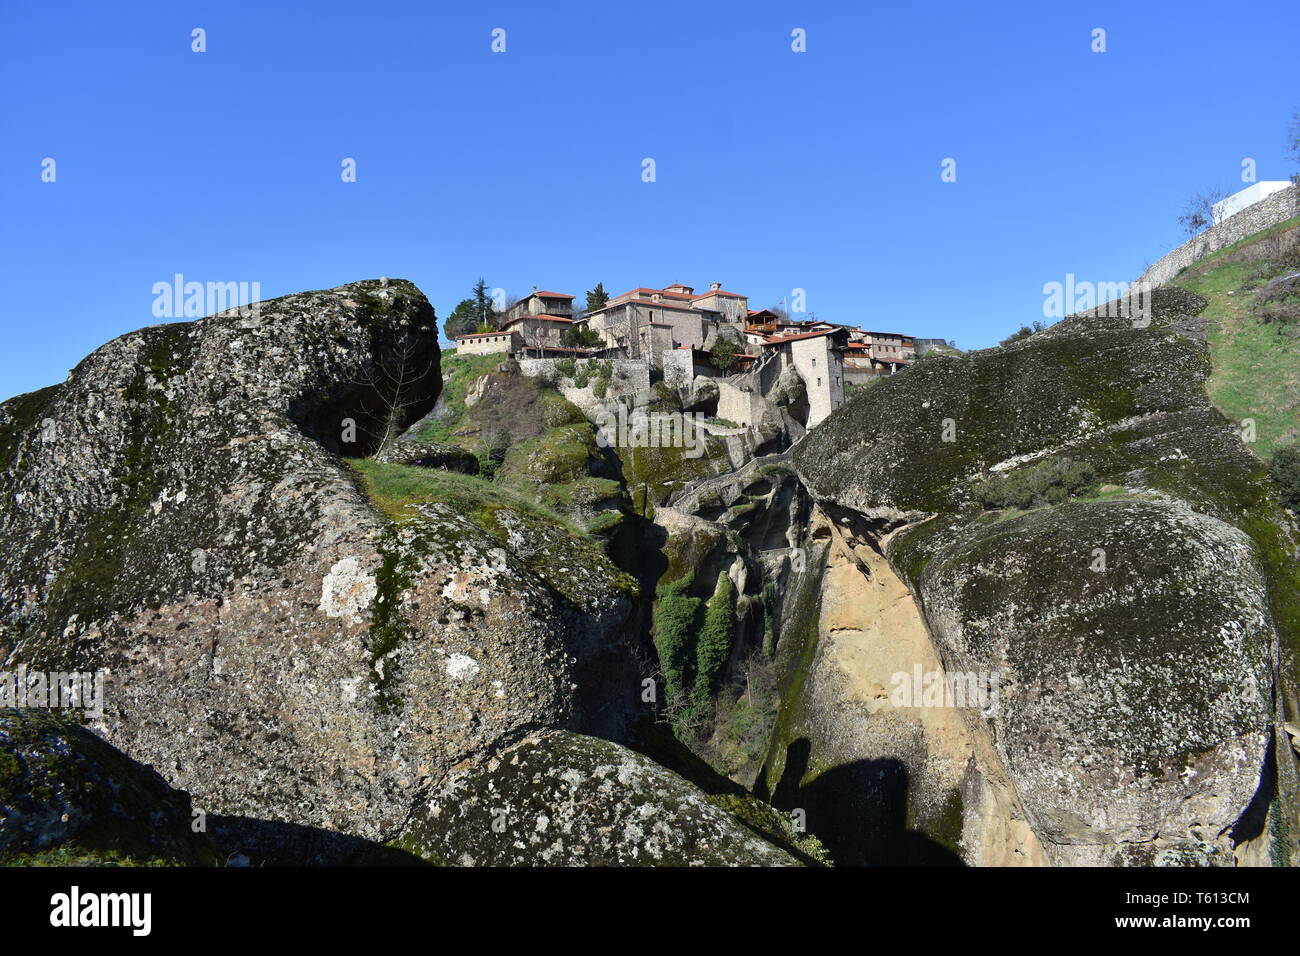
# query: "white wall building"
1252, 194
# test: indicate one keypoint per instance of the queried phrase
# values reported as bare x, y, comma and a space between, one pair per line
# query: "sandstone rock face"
68, 798
175, 513
562, 799
1138, 633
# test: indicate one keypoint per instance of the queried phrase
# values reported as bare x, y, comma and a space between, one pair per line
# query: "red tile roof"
479, 335
549, 295
617, 304
778, 339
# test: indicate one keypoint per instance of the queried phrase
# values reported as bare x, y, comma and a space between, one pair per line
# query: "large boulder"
562, 799
1139, 627
177, 514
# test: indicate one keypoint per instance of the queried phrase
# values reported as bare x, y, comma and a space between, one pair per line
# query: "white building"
1252, 194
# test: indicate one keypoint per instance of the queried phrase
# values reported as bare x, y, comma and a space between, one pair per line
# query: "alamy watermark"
1124, 300
935, 688
641, 428
53, 690
192, 300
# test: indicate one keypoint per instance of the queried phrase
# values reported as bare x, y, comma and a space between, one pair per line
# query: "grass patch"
1256, 366
397, 489
458, 373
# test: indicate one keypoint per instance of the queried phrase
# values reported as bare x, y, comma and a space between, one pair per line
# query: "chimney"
534, 288
715, 286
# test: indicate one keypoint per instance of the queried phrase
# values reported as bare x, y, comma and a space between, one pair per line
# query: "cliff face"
1141, 627
328, 654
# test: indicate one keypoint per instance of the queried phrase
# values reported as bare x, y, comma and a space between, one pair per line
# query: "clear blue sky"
775, 170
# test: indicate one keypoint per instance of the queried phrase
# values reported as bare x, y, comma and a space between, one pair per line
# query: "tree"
725, 354
1023, 333
1199, 211
394, 381
674, 625
460, 321
472, 314
597, 298
580, 337
713, 647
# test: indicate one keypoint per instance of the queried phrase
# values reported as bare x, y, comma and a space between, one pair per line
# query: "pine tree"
597, 298
474, 314
713, 648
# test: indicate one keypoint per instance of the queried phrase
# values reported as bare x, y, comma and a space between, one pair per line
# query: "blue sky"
775, 170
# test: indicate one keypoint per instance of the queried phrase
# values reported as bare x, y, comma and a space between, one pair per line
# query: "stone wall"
739, 406
634, 372
1276, 208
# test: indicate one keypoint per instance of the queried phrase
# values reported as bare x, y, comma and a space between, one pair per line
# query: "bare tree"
1199, 211
392, 380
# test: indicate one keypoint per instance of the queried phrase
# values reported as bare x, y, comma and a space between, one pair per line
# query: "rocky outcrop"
176, 514
1141, 633
67, 798
429, 454
562, 799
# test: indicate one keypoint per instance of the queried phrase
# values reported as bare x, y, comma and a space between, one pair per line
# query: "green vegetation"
744, 715
725, 354
597, 298
397, 489
775, 826
1047, 483
713, 646
1285, 471
1254, 341
675, 618
1024, 332
459, 372
581, 337
473, 313
388, 626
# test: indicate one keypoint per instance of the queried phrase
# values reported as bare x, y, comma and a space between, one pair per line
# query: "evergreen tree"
484, 313
597, 298
474, 314
461, 321
725, 353
674, 628
713, 647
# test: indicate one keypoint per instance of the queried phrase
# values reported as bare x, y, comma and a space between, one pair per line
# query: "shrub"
674, 631
1048, 483
497, 446
565, 367
713, 647
1023, 333
1279, 302
1285, 469
725, 354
